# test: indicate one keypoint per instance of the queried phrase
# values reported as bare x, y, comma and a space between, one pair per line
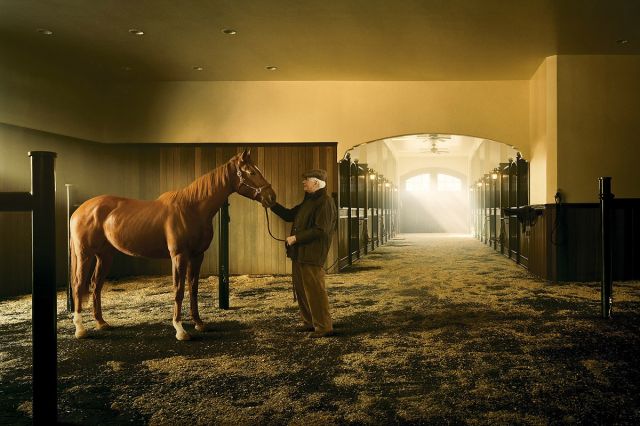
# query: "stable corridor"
431, 328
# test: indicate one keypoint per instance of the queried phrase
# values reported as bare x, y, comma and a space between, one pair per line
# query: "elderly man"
313, 223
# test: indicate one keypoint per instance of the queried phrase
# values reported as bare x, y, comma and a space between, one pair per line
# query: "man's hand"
291, 240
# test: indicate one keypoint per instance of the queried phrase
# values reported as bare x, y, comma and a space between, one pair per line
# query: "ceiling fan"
434, 139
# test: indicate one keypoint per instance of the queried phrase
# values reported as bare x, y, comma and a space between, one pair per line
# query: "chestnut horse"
177, 225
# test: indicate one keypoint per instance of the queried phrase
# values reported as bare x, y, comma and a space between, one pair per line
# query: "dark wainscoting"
564, 242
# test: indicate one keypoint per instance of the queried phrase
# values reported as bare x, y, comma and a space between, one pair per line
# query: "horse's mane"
201, 188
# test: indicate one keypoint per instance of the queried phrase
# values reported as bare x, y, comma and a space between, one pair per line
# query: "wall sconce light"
387, 185
494, 174
372, 176
479, 184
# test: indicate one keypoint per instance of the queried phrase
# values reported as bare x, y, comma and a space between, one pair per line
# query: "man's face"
309, 185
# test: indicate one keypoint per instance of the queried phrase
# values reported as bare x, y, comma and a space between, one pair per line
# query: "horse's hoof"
81, 334
103, 326
183, 336
201, 327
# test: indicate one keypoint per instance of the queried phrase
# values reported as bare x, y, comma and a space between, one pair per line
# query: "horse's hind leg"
179, 262
193, 274
103, 263
80, 286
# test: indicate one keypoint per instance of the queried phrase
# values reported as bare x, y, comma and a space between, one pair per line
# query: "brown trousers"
311, 293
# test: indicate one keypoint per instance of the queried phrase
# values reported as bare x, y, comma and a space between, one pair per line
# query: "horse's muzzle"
268, 197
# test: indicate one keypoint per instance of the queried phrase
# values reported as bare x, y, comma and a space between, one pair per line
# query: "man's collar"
315, 194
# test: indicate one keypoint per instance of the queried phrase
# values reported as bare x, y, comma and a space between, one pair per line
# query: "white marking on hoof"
103, 326
200, 326
180, 333
81, 332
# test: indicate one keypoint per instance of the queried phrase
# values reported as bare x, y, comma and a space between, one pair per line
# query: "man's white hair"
321, 183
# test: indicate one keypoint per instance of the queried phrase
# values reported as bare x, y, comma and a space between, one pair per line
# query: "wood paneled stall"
556, 242
368, 210
498, 200
566, 241
144, 171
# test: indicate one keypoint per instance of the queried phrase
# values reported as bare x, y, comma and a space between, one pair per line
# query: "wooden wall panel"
144, 171
538, 245
15, 252
565, 243
252, 250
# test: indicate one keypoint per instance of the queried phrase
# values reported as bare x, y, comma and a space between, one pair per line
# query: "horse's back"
95, 210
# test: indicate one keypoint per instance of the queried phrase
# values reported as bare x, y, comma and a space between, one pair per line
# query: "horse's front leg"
180, 262
193, 274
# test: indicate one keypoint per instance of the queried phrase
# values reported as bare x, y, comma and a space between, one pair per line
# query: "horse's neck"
209, 191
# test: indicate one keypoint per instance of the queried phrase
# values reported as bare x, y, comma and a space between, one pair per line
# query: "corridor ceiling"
309, 39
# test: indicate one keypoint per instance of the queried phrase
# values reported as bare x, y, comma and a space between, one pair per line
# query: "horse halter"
243, 181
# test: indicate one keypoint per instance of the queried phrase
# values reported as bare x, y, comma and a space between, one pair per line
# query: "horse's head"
250, 181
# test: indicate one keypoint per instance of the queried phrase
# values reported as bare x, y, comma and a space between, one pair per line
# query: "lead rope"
266, 213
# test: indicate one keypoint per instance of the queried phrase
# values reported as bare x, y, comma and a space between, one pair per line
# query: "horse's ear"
246, 155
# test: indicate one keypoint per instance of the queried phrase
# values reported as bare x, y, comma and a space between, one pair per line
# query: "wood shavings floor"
431, 329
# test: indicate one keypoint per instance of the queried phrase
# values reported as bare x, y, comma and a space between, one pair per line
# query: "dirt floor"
430, 330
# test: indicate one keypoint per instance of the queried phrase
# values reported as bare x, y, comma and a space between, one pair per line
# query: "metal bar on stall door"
69, 271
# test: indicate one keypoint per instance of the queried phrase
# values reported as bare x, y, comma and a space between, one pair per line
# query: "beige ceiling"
310, 40
431, 145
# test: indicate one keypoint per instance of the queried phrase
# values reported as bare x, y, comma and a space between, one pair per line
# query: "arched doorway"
443, 166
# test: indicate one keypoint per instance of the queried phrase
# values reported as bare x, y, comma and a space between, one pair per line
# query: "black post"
223, 258
378, 217
43, 191
347, 169
374, 200
383, 189
69, 271
357, 205
365, 210
606, 201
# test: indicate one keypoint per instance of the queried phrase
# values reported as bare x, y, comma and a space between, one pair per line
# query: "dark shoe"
305, 328
318, 334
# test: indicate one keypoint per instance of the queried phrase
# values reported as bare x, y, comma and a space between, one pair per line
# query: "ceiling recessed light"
136, 31
44, 31
198, 68
271, 68
622, 41
229, 31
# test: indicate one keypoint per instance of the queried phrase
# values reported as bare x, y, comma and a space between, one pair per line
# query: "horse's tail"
76, 281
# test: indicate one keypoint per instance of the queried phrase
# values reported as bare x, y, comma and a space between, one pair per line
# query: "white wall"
488, 156
347, 112
598, 125
377, 156
412, 166
543, 132
584, 108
